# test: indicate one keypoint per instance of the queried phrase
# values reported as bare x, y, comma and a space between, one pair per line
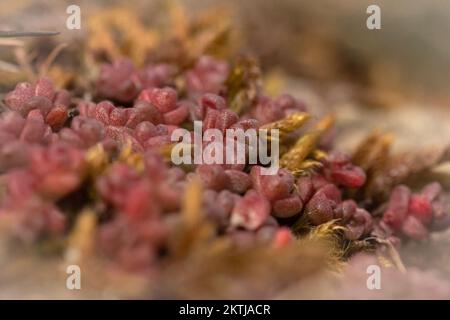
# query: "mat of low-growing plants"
87, 180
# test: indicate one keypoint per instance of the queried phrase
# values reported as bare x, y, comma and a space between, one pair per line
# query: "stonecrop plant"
112, 154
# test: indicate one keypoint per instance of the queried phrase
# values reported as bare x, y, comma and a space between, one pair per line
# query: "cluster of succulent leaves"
100, 155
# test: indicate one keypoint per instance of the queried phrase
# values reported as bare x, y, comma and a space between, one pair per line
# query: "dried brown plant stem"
45, 66
193, 230
327, 237
81, 241
294, 159
288, 124
394, 255
24, 62
243, 84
